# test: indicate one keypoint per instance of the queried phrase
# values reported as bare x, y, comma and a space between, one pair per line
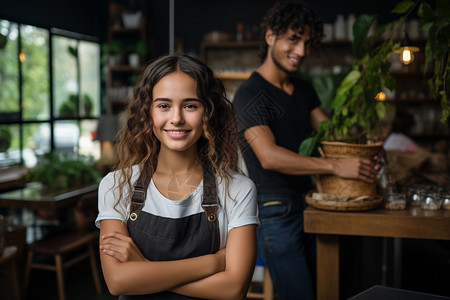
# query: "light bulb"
22, 56
381, 96
407, 56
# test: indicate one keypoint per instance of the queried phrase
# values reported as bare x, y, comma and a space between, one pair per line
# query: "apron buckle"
210, 210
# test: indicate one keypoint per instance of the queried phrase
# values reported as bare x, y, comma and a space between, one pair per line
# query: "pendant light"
406, 50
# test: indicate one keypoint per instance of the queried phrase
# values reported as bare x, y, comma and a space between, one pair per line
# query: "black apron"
165, 239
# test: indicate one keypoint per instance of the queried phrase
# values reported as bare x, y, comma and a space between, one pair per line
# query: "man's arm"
276, 158
318, 115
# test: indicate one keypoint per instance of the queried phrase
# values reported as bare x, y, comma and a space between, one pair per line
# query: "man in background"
275, 110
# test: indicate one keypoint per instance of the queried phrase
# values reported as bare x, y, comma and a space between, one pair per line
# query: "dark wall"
80, 16
193, 18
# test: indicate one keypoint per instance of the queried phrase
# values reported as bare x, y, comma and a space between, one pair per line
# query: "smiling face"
177, 112
289, 49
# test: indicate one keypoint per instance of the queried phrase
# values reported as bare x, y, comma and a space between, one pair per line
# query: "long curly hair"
293, 15
138, 145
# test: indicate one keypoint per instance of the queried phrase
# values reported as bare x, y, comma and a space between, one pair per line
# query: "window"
49, 93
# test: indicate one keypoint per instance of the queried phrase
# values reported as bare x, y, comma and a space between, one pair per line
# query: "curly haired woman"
177, 220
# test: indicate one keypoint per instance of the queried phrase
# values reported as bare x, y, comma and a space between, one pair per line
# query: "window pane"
9, 145
37, 138
89, 56
65, 87
36, 141
35, 73
9, 76
67, 134
87, 145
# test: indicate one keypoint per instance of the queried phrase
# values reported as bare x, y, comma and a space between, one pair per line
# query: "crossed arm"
224, 275
276, 158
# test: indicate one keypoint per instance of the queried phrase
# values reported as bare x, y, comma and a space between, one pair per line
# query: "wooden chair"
69, 247
261, 288
7, 259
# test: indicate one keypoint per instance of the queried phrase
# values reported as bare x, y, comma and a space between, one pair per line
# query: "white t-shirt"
399, 141
238, 210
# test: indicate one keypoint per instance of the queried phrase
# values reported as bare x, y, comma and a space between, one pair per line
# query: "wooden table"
329, 225
33, 196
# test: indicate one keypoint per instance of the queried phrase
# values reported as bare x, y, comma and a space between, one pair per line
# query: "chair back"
2, 234
86, 211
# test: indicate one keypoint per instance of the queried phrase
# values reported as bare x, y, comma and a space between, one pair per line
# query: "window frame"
52, 120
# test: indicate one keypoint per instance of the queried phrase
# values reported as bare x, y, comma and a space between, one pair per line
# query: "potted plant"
137, 51
5, 138
112, 52
356, 109
68, 108
56, 173
88, 105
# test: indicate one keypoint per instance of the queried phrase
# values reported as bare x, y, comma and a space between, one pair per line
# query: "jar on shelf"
445, 197
395, 201
414, 195
430, 200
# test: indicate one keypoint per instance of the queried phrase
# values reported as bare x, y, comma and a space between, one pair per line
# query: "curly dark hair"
138, 145
293, 15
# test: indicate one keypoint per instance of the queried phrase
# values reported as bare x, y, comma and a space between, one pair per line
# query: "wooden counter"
413, 222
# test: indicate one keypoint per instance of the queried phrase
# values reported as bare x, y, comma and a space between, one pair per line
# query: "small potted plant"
112, 52
138, 52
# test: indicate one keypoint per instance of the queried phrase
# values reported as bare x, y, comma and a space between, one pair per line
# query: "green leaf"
344, 111
380, 109
339, 101
307, 146
425, 12
348, 82
402, 7
73, 51
360, 29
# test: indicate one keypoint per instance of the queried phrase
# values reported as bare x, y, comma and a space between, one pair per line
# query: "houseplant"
56, 172
356, 110
137, 53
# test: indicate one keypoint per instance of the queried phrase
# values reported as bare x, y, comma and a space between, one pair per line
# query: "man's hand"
357, 168
121, 247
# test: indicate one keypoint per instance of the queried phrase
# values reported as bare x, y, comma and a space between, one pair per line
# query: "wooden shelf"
413, 101
231, 44
124, 68
233, 75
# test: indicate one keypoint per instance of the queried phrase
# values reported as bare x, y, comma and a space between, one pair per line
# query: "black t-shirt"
258, 102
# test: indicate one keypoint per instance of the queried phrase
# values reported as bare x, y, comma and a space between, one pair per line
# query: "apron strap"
138, 196
210, 201
209, 198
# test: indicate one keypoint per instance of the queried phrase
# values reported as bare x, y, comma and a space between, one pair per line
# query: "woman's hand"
121, 247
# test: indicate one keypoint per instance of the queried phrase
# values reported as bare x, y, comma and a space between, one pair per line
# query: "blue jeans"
285, 248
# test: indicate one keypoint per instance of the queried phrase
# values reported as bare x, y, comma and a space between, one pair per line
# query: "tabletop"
34, 196
413, 222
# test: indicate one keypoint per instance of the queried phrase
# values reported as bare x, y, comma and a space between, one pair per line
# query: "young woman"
177, 221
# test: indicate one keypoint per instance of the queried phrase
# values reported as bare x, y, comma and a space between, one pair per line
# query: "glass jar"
445, 197
430, 200
395, 201
414, 195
